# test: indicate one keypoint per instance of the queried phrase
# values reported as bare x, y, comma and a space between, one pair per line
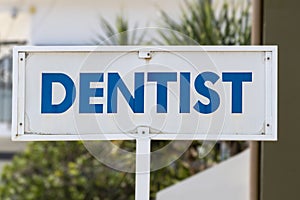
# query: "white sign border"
19, 55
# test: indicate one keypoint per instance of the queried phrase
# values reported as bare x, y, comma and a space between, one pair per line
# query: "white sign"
179, 92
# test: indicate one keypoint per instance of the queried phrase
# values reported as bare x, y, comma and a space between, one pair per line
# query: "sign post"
145, 93
142, 176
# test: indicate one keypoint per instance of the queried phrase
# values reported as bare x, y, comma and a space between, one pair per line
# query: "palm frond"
119, 33
200, 22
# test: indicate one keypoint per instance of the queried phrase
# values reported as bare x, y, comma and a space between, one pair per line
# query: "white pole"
142, 176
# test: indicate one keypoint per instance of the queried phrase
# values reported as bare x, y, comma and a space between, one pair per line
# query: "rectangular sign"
178, 92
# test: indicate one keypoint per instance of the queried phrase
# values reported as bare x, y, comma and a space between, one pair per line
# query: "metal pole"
256, 39
142, 176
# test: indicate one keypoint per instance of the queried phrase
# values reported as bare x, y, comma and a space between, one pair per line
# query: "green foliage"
62, 170
119, 33
199, 21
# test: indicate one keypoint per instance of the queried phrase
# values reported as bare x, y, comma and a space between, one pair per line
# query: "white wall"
77, 22
229, 180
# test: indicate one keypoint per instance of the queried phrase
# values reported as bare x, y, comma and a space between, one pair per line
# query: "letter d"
47, 80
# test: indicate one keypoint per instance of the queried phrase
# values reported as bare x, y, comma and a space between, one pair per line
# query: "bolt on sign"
178, 92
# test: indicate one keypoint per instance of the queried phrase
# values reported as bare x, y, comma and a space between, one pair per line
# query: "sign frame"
19, 59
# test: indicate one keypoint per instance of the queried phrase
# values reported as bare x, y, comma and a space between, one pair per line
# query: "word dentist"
136, 102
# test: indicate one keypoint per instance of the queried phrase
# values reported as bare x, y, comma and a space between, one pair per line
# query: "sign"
178, 92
